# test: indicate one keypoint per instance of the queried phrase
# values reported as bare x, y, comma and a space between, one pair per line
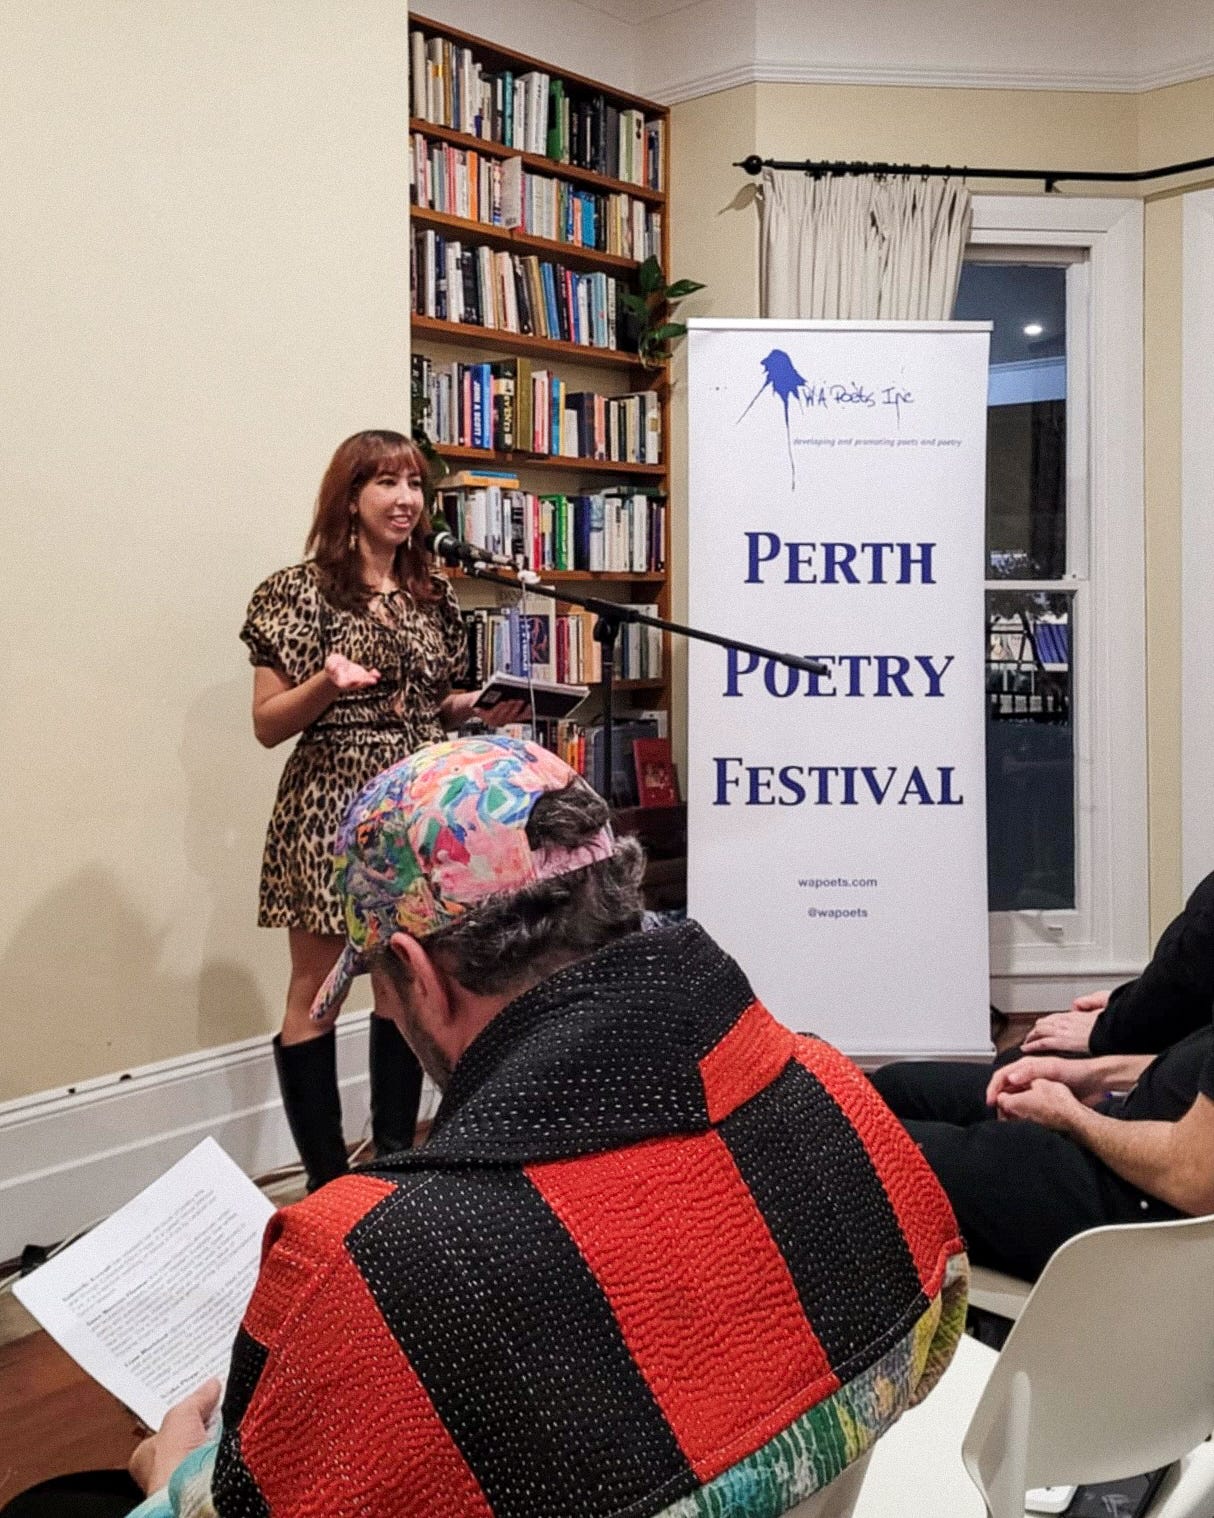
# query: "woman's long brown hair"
359, 459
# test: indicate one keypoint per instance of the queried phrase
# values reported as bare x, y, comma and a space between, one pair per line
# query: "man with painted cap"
659, 1255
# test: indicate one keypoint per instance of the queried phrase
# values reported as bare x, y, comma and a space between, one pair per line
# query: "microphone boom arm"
611, 616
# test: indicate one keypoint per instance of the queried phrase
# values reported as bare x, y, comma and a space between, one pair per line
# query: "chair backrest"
1109, 1369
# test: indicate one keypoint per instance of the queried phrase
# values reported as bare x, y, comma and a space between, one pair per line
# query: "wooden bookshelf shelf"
520, 460
568, 253
536, 162
618, 576
501, 341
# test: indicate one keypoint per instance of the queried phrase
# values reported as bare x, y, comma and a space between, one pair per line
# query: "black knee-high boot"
307, 1078
396, 1088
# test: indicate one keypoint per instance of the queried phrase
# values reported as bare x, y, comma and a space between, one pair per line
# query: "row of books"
511, 404
582, 747
620, 428
497, 639
639, 649
549, 644
463, 182
609, 531
449, 86
560, 645
587, 130
513, 292
546, 644
565, 738
534, 112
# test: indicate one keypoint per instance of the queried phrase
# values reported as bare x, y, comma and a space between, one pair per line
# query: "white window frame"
1040, 960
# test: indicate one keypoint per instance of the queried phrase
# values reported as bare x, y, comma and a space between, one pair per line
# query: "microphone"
453, 550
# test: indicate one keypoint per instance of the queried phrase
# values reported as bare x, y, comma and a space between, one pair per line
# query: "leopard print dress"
418, 648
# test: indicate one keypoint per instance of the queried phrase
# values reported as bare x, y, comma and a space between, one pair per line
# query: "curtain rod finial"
752, 163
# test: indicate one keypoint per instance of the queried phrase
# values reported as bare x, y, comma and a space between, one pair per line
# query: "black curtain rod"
1051, 177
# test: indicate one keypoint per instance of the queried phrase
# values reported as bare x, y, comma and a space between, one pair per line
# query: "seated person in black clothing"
1048, 1145
1173, 997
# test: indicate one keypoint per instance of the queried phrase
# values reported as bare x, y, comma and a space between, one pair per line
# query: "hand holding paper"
186, 1427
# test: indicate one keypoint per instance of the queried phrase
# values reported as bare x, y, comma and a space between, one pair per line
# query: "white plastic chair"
1108, 1372
998, 1293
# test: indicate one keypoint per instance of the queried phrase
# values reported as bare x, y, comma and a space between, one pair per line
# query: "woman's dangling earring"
352, 541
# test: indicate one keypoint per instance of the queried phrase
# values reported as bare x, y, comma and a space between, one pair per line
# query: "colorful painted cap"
438, 833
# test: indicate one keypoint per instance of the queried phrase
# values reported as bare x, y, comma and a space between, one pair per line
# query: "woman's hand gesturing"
343, 674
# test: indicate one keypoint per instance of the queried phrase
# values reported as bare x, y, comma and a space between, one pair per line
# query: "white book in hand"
547, 698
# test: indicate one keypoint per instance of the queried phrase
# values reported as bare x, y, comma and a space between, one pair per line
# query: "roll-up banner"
837, 822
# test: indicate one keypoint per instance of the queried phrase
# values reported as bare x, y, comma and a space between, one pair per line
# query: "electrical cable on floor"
47, 1253
35, 1255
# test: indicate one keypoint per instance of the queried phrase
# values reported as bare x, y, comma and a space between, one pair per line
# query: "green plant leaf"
682, 287
665, 332
633, 302
649, 276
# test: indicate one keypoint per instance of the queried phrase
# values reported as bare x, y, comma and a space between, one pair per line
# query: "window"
1066, 761
1030, 750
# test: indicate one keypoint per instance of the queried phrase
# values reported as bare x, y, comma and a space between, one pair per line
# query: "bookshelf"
535, 195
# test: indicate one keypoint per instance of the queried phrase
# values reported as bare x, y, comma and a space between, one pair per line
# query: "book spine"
503, 406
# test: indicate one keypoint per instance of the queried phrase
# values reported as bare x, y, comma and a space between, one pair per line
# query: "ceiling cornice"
1202, 69
760, 72
636, 12
622, 10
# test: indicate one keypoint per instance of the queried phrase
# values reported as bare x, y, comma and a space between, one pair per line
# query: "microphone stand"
610, 617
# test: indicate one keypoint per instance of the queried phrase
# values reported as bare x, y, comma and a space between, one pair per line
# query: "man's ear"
429, 986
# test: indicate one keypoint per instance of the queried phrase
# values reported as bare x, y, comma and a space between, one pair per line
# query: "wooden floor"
54, 1418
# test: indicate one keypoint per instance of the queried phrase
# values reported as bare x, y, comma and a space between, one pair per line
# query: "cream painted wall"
204, 278
996, 128
1174, 127
1174, 123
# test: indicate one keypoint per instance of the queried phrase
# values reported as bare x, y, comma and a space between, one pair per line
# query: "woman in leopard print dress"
354, 651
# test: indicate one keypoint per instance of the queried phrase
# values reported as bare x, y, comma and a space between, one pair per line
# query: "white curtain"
853, 246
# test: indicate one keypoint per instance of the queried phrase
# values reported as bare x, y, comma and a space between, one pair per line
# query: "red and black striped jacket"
656, 1244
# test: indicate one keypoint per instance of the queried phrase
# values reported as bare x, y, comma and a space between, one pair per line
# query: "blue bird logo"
780, 376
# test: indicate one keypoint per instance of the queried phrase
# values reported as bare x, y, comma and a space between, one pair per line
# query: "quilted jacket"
660, 1255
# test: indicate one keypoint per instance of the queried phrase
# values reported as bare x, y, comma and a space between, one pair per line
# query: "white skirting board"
69, 1157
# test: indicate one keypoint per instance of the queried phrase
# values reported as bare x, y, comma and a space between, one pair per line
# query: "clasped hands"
1045, 1089
1041, 1088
